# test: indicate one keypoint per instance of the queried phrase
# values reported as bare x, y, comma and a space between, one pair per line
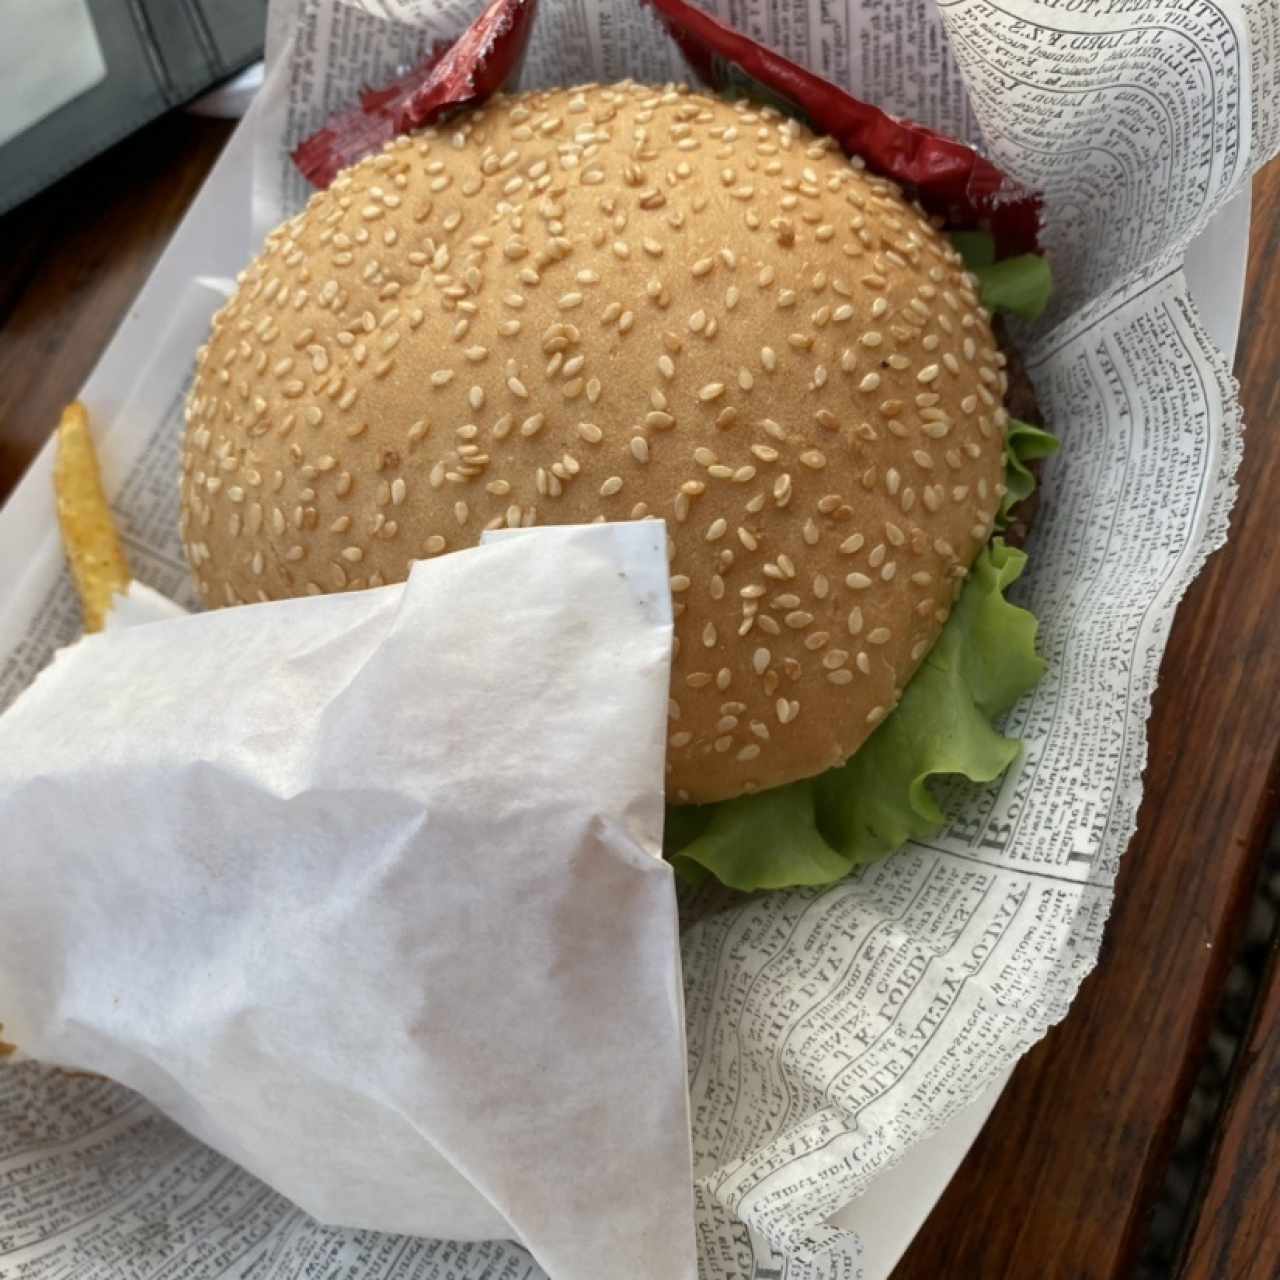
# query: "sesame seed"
709, 636
611, 486
928, 373
716, 529
814, 458
711, 391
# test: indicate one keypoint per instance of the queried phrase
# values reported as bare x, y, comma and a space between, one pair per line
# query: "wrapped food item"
828, 1028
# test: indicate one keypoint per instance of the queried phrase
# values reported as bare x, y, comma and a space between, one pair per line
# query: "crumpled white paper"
327, 880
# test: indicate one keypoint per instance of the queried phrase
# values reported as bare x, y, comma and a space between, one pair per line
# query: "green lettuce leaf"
1023, 443
977, 248
816, 831
1019, 285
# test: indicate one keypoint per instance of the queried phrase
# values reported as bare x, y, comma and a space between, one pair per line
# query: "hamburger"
623, 303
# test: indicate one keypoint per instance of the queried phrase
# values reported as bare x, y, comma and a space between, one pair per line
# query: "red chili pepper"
948, 177
475, 66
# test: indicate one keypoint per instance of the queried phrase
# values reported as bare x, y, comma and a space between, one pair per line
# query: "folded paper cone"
364, 893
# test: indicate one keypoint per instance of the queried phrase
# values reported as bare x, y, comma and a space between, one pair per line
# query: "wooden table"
1062, 1180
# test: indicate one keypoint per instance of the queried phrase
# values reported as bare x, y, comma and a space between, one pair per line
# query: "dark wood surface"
72, 260
1238, 1231
1061, 1181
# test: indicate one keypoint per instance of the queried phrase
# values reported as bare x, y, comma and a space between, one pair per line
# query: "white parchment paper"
329, 885
827, 1030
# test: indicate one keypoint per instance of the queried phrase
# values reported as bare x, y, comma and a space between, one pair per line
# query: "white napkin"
366, 892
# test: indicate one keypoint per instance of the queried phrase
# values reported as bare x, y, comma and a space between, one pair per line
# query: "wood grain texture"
1237, 1235
1061, 1180
72, 260
1059, 1183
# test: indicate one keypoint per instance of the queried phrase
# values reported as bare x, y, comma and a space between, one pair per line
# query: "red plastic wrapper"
948, 177
477, 64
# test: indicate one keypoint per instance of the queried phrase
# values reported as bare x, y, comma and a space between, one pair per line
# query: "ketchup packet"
477, 64
948, 177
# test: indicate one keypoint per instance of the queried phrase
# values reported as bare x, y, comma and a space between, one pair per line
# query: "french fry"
89, 535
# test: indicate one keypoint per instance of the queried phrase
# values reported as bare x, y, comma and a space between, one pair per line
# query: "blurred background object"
79, 75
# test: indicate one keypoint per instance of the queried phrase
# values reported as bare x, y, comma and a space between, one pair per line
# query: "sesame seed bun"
619, 303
